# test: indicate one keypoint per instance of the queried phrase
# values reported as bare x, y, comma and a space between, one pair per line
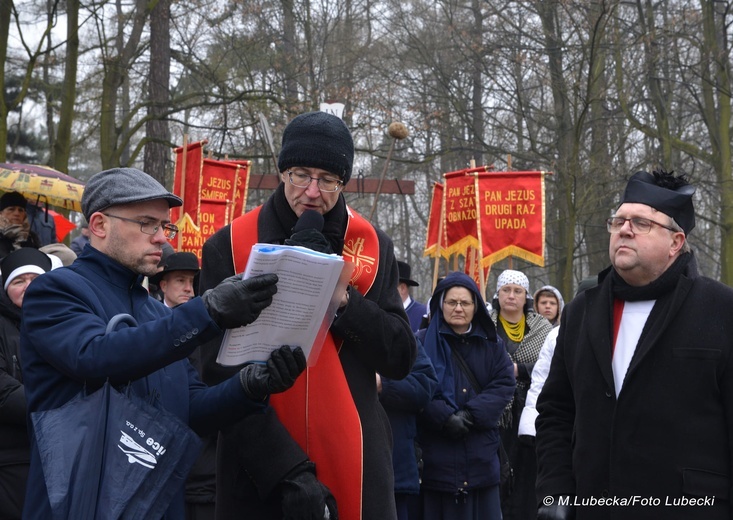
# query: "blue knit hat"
318, 140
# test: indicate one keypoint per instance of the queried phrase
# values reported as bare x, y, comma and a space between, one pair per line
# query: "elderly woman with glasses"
458, 429
523, 332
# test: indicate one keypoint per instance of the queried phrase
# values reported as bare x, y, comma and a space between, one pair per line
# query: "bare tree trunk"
7, 105
157, 148
717, 116
568, 167
61, 150
289, 53
597, 179
477, 109
115, 74
49, 91
6, 7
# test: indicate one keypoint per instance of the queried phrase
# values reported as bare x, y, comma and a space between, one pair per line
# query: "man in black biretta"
636, 416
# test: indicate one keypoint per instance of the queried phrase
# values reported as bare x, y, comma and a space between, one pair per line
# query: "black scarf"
334, 227
653, 291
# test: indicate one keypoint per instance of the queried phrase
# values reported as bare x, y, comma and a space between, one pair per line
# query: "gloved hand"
303, 497
458, 424
279, 374
236, 302
310, 238
466, 416
555, 511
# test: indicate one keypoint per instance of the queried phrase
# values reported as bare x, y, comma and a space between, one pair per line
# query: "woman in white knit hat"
523, 332
19, 269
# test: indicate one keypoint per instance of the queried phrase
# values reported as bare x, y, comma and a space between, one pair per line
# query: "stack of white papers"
309, 290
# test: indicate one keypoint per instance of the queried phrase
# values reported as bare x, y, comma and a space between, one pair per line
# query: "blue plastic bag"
108, 455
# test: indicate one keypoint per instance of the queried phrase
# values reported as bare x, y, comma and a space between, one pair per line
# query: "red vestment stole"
318, 411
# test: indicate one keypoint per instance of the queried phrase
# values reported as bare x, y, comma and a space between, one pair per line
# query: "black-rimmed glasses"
150, 228
639, 225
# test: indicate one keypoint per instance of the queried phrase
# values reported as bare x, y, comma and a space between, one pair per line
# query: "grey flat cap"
122, 186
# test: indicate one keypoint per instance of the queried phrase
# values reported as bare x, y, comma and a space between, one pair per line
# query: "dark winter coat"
669, 433
78, 244
403, 400
415, 312
64, 345
472, 462
14, 447
255, 458
42, 224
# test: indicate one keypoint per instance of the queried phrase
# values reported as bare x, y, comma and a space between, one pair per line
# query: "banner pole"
184, 160
381, 180
438, 251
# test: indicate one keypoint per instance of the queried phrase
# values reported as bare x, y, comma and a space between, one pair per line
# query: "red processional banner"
435, 224
512, 208
460, 216
213, 196
186, 183
488, 216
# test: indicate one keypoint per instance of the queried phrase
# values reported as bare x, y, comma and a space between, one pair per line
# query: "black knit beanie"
12, 198
318, 140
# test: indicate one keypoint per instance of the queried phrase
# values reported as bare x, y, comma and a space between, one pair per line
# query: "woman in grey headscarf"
548, 301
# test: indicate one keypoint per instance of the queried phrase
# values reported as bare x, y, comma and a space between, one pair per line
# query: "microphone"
310, 219
307, 233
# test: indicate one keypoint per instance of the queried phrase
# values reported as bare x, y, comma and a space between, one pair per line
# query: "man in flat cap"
636, 416
329, 436
66, 347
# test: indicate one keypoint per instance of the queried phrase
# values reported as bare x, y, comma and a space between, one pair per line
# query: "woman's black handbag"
506, 474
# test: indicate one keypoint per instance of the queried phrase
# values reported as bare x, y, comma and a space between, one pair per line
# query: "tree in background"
591, 91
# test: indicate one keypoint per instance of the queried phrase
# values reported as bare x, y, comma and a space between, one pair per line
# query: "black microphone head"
310, 219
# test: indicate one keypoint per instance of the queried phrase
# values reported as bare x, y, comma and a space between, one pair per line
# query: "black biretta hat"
664, 192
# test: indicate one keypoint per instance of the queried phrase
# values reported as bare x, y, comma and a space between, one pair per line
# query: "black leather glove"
279, 374
312, 239
466, 416
304, 497
555, 511
458, 424
236, 302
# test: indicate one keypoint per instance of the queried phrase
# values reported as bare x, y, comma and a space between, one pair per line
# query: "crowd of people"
458, 409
